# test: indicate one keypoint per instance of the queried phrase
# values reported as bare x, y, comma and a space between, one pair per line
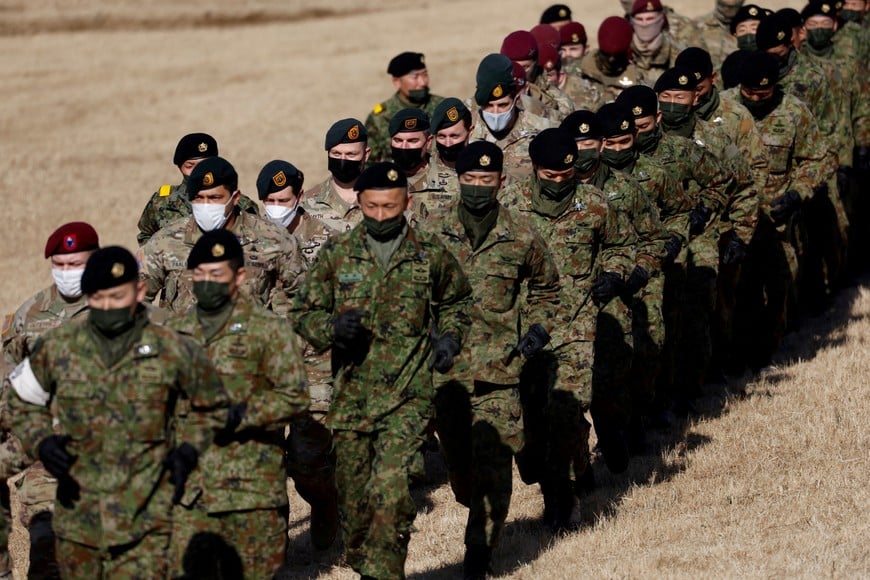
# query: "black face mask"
211, 296
611, 64
386, 230
112, 322
407, 159
761, 109
557, 191
419, 96
477, 198
648, 141
618, 160
345, 170
450, 153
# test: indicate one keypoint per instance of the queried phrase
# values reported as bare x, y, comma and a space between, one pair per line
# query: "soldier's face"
645, 124
218, 195
74, 261
746, 27
124, 296
502, 105
286, 197
415, 140
585, 144
619, 143
814, 22
704, 87
484, 178
222, 273
457, 133
557, 176
678, 97
352, 151
413, 81
855, 5
572, 51
383, 204
756, 95
188, 166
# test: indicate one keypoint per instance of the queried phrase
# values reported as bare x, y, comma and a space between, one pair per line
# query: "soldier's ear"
241, 276
367, 154
140, 291
408, 199
397, 83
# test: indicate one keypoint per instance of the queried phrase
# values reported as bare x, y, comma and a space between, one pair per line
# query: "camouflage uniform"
273, 263
515, 144
170, 203
650, 67
442, 186
383, 391
557, 104
477, 405
610, 85
683, 29
584, 93
717, 38
324, 202
378, 123
121, 523
242, 482
312, 233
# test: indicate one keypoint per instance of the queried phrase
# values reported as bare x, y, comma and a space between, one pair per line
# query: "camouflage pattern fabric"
610, 84
717, 38
324, 203
651, 66
378, 123
312, 234
144, 559
515, 144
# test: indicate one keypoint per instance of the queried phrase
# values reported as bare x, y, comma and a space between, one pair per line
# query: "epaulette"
165, 190
378, 109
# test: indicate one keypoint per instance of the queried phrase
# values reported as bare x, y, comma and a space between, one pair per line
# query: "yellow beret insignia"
636, 111
584, 127
497, 92
410, 123
623, 126
279, 179
780, 35
683, 80
422, 59
208, 179
353, 132
569, 158
485, 161
826, 8
378, 109
562, 12
548, 65
753, 11
203, 147
117, 270
217, 250
697, 76
575, 38
392, 175
452, 114
650, 7
764, 82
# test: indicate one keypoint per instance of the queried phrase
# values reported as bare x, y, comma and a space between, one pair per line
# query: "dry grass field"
770, 482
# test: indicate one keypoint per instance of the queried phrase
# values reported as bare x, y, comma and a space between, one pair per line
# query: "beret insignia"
575, 38
697, 76
410, 123
569, 158
218, 250
422, 59
497, 92
562, 12
753, 11
203, 147
826, 8
624, 125
683, 80
353, 132
392, 175
650, 7
636, 111
584, 127
780, 35
117, 270
485, 161
764, 82
548, 64
208, 179
279, 179
70, 241
452, 114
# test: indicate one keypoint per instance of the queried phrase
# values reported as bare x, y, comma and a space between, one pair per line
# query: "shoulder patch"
165, 190
7, 324
378, 109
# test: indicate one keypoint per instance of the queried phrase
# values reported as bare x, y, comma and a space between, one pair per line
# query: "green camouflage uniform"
477, 405
170, 203
610, 85
121, 420
650, 67
382, 401
258, 358
323, 202
273, 263
378, 123
515, 144
717, 38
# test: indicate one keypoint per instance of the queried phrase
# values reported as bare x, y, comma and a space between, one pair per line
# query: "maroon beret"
546, 34
640, 6
520, 45
71, 238
614, 35
573, 33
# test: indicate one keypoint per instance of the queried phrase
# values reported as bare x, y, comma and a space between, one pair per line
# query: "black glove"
347, 327
785, 206
235, 414
606, 287
733, 250
844, 179
533, 341
637, 280
698, 218
180, 462
54, 456
672, 250
861, 158
68, 491
444, 350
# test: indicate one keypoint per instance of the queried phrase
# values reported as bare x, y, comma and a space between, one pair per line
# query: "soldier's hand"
347, 327
607, 286
235, 414
698, 217
637, 280
54, 456
861, 158
734, 249
180, 462
68, 491
444, 350
533, 341
785, 206
672, 250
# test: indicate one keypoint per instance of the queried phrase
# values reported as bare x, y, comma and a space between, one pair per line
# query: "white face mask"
498, 122
281, 215
68, 282
211, 216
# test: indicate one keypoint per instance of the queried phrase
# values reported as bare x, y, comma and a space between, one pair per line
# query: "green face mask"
477, 197
648, 142
820, 37
210, 295
557, 190
113, 322
618, 159
747, 42
851, 15
677, 118
418, 96
585, 161
386, 230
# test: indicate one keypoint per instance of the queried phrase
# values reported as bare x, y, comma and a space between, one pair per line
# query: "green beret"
406, 62
194, 146
553, 149
676, 79
616, 120
276, 175
480, 156
641, 100
210, 173
409, 121
582, 125
495, 79
220, 245
107, 268
384, 175
449, 112
346, 131
760, 72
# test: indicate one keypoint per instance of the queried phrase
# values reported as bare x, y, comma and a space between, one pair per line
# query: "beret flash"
406, 62
696, 60
760, 72
194, 146
553, 149
614, 35
345, 131
573, 33
495, 79
775, 30
449, 112
109, 267
641, 100
384, 175
581, 125
676, 79
616, 119
409, 121
212, 172
746, 13
216, 246
276, 175
555, 13
520, 45
480, 156
641, 6
71, 238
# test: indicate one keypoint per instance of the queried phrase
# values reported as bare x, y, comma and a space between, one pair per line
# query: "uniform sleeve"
291, 270
743, 206
814, 162
313, 306
543, 284
378, 137
151, 270
652, 235
712, 178
30, 422
451, 295
617, 243
148, 223
200, 384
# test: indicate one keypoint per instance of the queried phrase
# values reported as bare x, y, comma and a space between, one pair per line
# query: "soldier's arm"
814, 161
451, 294
151, 269
291, 271
743, 205
713, 178
378, 138
542, 298
314, 304
652, 235
618, 241
201, 387
32, 388
148, 224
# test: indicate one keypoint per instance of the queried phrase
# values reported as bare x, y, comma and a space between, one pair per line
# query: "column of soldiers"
595, 233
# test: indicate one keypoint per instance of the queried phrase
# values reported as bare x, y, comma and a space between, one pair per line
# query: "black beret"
793, 17
495, 78
449, 112
553, 149
819, 8
775, 30
220, 245
346, 131
409, 121
731, 67
760, 72
71, 238
406, 62
384, 175
556, 13
109, 267
641, 100
480, 156
616, 119
194, 146
581, 125
276, 175
210, 173
696, 60
747, 12
676, 79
